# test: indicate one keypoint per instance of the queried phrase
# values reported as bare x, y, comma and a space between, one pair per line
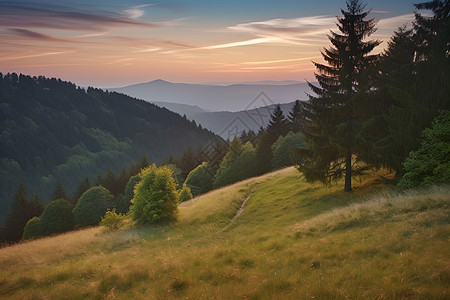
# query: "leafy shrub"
56, 218
185, 194
113, 221
239, 163
199, 180
92, 206
282, 149
155, 197
430, 164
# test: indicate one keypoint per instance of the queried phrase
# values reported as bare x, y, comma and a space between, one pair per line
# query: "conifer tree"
295, 117
278, 126
332, 116
59, 192
17, 217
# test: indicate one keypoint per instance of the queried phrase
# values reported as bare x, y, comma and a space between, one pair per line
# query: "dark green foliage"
155, 199
278, 126
295, 117
335, 116
282, 149
59, 192
430, 164
55, 131
414, 84
200, 180
123, 205
56, 218
185, 194
239, 163
18, 216
92, 205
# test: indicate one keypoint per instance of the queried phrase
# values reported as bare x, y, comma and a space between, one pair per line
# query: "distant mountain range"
209, 97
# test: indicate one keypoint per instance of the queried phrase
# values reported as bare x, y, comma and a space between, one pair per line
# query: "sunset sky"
111, 43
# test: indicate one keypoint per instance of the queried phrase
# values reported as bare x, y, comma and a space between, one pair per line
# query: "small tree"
235, 167
56, 218
430, 163
282, 149
199, 180
155, 197
92, 205
185, 194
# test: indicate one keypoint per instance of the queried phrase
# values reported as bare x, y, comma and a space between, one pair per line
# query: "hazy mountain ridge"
234, 97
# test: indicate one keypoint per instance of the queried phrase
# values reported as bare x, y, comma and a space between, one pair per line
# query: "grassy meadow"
294, 240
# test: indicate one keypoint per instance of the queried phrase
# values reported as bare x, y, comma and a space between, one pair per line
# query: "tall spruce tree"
333, 116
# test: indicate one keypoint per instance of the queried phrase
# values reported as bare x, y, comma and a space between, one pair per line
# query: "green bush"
56, 218
199, 180
239, 163
92, 206
113, 221
185, 194
282, 149
155, 197
430, 164
33, 229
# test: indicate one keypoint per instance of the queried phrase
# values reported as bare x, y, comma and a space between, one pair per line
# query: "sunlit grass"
293, 240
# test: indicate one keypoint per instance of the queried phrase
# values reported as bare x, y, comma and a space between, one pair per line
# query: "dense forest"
53, 131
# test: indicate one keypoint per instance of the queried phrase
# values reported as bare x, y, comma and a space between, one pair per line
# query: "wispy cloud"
29, 15
34, 35
14, 57
278, 61
242, 43
288, 28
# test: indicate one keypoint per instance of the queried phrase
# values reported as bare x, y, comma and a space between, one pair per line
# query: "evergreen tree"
17, 216
295, 117
35, 207
59, 192
333, 115
278, 126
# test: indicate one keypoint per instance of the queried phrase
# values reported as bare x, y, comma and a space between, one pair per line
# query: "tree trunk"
348, 173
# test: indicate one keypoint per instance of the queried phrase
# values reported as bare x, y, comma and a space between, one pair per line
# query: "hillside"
293, 240
52, 131
235, 97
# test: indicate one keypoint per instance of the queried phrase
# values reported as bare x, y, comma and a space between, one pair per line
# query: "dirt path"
241, 209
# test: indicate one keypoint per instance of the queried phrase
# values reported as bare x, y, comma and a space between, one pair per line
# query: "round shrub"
185, 194
155, 197
282, 149
92, 206
199, 180
56, 218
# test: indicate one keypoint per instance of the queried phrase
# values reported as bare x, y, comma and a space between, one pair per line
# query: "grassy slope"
293, 240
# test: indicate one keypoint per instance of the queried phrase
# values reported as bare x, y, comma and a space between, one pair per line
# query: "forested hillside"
52, 130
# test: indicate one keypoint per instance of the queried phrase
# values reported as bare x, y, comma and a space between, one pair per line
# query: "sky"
113, 43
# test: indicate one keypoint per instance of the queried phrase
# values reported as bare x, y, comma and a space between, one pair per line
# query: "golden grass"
293, 240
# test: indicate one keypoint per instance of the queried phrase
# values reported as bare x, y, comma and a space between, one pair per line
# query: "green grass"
293, 240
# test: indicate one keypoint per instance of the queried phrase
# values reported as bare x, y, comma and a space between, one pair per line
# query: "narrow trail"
241, 209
